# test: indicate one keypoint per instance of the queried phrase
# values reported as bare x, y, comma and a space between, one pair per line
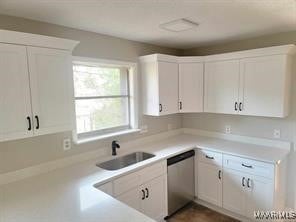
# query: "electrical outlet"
144, 129
170, 126
67, 144
276, 133
227, 129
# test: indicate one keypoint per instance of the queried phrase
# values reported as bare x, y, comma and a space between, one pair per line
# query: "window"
102, 98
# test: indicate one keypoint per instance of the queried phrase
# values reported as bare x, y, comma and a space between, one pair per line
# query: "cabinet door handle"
235, 106
243, 181
160, 107
143, 194
240, 106
220, 175
29, 123
248, 166
248, 183
147, 192
180, 105
210, 157
37, 122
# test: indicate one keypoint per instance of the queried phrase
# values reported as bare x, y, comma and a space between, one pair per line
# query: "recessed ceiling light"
178, 25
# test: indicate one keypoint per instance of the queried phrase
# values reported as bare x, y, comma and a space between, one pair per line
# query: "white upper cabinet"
221, 86
159, 84
265, 86
15, 103
253, 82
36, 87
51, 89
168, 87
171, 84
190, 87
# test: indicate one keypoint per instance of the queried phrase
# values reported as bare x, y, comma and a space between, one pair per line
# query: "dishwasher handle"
180, 157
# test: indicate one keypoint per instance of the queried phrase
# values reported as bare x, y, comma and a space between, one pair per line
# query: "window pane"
99, 81
98, 114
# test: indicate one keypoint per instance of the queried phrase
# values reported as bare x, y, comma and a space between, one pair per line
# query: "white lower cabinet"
243, 186
154, 203
259, 195
233, 192
244, 193
144, 190
209, 185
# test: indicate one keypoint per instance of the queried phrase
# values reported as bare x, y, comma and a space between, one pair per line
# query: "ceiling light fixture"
179, 25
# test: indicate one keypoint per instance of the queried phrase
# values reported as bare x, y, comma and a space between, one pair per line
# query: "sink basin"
125, 161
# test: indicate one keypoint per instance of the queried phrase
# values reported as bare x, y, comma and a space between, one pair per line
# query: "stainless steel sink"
125, 161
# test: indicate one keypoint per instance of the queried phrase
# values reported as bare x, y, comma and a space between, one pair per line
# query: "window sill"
106, 136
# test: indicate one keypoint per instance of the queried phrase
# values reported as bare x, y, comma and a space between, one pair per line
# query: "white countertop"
68, 194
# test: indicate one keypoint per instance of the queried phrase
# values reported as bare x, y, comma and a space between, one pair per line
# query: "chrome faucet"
115, 146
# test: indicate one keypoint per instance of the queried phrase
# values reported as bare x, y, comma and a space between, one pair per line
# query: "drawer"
249, 166
125, 183
153, 171
210, 157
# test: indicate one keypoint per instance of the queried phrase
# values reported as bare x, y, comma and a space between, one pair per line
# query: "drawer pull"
248, 166
243, 181
210, 157
143, 196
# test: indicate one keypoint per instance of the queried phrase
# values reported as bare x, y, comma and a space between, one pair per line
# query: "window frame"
132, 96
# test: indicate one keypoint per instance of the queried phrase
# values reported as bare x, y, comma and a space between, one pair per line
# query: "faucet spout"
115, 146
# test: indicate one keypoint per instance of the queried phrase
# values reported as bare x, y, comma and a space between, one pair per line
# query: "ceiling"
139, 20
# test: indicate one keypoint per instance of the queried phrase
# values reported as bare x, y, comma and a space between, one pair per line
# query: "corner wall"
248, 125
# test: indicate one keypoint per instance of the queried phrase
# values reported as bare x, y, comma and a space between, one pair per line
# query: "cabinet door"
15, 104
209, 186
155, 203
132, 198
264, 84
52, 89
259, 195
168, 87
190, 87
234, 191
221, 86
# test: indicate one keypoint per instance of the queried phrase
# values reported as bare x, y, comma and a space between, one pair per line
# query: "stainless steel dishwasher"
180, 181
